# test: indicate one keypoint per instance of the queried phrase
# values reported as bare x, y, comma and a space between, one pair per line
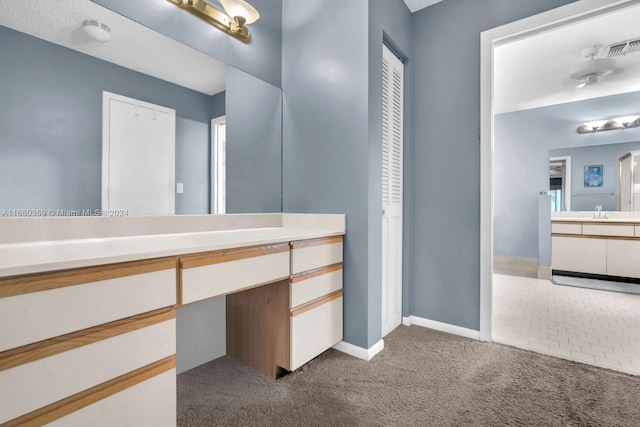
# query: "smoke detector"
592, 71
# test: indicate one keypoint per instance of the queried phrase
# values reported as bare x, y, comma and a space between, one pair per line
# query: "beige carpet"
422, 377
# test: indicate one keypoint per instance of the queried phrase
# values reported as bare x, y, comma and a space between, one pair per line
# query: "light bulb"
240, 8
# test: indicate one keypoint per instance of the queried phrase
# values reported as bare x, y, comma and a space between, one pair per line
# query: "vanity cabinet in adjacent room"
600, 248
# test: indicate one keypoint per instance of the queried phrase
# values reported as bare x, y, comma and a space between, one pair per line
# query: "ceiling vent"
622, 48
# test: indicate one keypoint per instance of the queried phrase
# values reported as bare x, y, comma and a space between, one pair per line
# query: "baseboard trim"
544, 273
359, 352
442, 327
515, 266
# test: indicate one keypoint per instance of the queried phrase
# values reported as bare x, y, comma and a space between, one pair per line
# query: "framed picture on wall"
593, 176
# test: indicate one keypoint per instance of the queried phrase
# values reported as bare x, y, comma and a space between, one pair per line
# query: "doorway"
555, 336
392, 138
560, 183
219, 165
138, 157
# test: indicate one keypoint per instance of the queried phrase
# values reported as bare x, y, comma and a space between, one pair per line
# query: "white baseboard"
359, 352
442, 327
544, 273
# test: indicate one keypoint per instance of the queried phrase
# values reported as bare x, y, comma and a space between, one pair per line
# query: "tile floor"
590, 326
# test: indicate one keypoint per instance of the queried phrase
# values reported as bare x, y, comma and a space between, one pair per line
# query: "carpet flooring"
421, 378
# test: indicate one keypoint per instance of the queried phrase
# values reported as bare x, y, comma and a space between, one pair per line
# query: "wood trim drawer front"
44, 314
164, 391
566, 227
315, 330
307, 287
312, 254
621, 230
221, 278
45, 381
149, 403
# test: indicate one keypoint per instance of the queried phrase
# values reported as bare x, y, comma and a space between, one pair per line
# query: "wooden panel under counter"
43, 306
224, 272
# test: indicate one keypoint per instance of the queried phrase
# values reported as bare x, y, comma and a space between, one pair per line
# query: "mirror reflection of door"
560, 183
629, 182
624, 183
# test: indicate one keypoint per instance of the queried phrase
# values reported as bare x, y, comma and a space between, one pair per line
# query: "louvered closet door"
392, 127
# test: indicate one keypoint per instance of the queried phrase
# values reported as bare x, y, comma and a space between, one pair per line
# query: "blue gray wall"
217, 105
51, 126
332, 88
254, 144
585, 198
445, 273
261, 57
521, 172
523, 140
325, 133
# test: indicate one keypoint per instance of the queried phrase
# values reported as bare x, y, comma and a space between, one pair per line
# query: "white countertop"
599, 220
41, 256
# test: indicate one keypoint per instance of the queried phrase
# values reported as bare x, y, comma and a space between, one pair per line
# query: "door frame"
489, 39
214, 208
566, 181
107, 97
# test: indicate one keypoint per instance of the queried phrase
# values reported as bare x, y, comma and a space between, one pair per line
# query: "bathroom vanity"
596, 247
88, 307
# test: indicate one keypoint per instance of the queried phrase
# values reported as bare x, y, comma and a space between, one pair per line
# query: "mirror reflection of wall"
584, 197
51, 118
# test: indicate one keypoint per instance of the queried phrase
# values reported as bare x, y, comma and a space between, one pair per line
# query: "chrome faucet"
598, 212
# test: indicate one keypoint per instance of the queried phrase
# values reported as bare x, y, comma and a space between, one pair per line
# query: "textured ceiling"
534, 72
416, 5
132, 45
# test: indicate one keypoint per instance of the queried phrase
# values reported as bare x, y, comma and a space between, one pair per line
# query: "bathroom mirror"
51, 115
567, 176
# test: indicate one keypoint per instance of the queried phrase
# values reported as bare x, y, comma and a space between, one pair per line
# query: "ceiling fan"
595, 69
600, 62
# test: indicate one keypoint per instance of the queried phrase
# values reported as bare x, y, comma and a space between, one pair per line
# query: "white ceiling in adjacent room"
132, 45
535, 71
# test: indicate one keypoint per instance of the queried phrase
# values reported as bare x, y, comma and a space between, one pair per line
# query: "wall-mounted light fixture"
609, 124
238, 14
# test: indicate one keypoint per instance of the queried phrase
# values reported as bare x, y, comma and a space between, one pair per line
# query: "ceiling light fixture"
238, 14
592, 71
97, 30
611, 124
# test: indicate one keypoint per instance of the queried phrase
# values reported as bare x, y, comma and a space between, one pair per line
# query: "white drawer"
149, 403
623, 258
637, 232
583, 255
47, 380
622, 230
315, 330
221, 276
566, 228
306, 288
37, 316
312, 254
